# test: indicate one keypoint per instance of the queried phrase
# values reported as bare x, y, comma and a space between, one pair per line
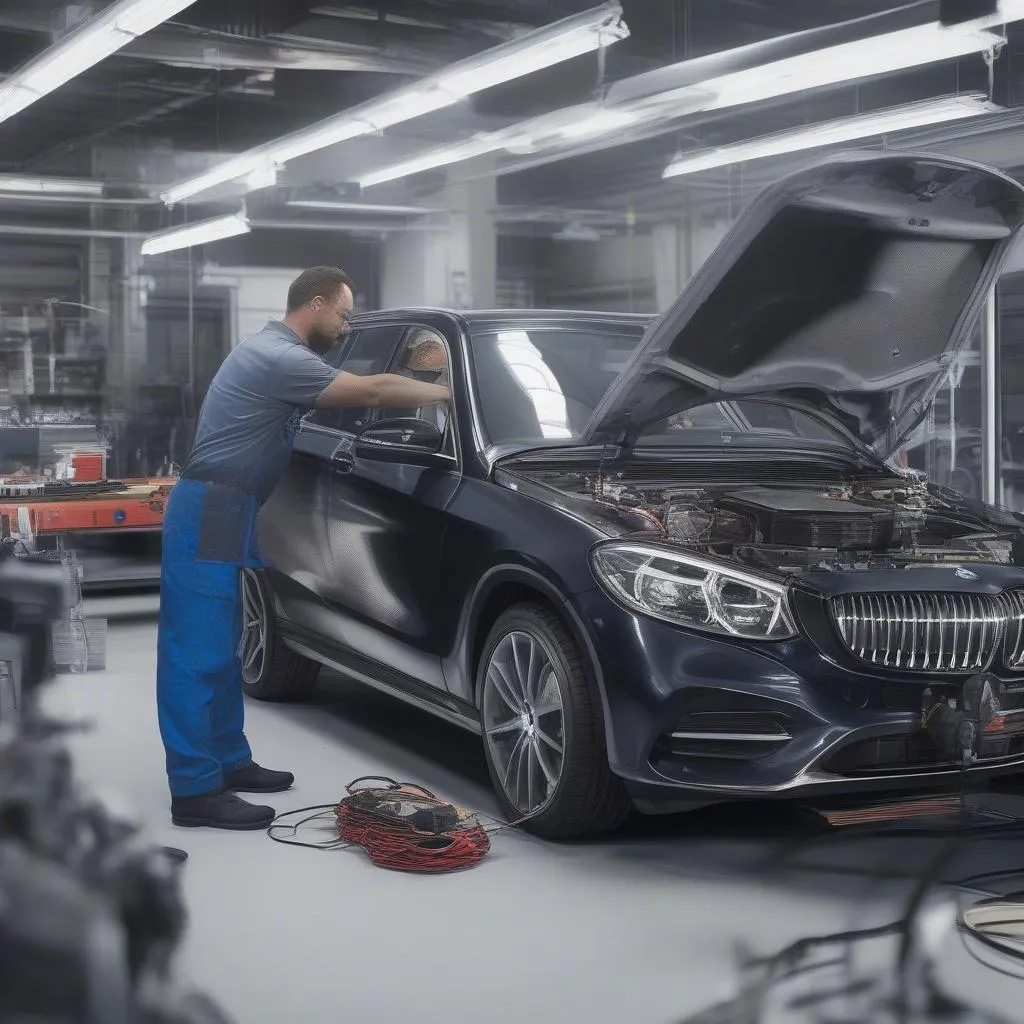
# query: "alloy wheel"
252, 648
524, 721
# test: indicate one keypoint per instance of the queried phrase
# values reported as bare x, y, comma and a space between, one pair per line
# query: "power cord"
401, 826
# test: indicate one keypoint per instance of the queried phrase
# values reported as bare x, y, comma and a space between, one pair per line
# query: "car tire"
541, 717
270, 670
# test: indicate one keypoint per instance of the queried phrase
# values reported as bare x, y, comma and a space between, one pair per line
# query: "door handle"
343, 462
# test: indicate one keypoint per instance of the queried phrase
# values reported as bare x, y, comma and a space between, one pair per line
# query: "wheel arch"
499, 589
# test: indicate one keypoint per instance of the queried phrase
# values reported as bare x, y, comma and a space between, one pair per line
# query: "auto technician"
243, 443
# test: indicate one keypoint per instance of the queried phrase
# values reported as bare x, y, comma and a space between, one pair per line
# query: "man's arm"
380, 390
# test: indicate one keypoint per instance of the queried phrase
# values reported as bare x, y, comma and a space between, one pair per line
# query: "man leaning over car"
243, 443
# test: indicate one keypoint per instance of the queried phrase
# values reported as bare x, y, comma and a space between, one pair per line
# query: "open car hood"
848, 287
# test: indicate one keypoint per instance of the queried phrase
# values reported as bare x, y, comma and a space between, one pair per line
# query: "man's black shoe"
251, 778
219, 809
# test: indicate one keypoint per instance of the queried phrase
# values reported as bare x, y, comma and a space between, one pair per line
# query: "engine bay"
797, 527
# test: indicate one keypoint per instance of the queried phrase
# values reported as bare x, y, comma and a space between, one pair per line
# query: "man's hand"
380, 390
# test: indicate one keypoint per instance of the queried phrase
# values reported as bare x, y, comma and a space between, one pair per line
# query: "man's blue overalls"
208, 537
243, 444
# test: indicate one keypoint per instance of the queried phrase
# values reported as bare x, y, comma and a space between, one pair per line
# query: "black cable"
954, 836
964, 932
322, 810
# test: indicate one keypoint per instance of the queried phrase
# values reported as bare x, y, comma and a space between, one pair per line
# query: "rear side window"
364, 353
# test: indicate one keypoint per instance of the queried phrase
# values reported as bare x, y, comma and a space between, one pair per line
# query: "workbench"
60, 518
138, 505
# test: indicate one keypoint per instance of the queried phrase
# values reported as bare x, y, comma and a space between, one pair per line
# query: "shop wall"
274, 249
615, 273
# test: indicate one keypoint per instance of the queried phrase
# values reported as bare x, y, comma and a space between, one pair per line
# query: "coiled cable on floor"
401, 826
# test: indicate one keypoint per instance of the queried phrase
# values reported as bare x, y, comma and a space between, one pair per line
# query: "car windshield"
739, 422
544, 384
539, 386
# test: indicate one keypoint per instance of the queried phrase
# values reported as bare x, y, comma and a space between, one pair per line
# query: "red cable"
403, 847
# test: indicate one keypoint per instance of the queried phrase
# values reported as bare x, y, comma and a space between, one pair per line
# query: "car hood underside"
848, 288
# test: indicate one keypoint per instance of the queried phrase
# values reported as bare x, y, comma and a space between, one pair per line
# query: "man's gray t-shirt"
251, 413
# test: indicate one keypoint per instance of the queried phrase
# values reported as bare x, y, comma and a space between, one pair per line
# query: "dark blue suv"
662, 562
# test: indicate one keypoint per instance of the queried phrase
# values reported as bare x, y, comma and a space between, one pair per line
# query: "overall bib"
208, 537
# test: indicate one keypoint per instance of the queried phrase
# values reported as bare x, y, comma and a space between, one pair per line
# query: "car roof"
482, 318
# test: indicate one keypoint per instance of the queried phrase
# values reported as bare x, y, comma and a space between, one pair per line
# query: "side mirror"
405, 440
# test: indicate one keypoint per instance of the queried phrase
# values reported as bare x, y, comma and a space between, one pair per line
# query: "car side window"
364, 352
424, 356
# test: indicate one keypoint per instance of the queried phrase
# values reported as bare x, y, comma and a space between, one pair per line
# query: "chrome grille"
922, 632
1014, 650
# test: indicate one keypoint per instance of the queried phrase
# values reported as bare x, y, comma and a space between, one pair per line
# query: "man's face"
330, 320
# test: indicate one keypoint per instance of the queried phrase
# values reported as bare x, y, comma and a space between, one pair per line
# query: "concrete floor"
640, 928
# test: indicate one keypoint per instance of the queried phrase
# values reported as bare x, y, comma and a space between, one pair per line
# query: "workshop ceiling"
229, 74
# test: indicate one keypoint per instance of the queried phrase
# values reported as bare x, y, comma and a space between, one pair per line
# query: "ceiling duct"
253, 19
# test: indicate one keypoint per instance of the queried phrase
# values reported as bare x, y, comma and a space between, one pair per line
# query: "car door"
381, 534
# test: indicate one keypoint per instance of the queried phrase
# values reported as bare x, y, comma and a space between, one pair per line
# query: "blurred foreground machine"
90, 916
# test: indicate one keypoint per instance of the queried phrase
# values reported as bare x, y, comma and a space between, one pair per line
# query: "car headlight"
693, 592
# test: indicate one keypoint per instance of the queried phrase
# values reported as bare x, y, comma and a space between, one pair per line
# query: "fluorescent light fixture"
597, 124
572, 40
50, 186
570, 37
200, 233
863, 58
264, 176
345, 206
440, 157
93, 41
860, 126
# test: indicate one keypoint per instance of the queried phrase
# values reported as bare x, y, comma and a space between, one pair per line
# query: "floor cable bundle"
400, 825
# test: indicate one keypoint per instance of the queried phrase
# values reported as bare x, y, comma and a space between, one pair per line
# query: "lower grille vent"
725, 736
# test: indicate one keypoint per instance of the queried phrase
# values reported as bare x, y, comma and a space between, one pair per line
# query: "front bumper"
697, 719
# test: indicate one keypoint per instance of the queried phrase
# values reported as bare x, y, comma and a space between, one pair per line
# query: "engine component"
796, 519
801, 519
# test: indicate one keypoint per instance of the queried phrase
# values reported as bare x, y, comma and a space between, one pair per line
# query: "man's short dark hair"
323, 281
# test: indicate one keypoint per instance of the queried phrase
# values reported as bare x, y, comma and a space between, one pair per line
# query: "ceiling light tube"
440, 157
569, 123
828, 66
200, 233
829, 133
847, 62
345, 206
597, 124
571, 37
50, 186
512, 60
93, 41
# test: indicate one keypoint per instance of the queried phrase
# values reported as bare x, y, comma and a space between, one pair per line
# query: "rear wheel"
270, 671
544, 730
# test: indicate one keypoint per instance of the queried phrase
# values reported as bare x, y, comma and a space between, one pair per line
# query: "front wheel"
270, 670
543, 728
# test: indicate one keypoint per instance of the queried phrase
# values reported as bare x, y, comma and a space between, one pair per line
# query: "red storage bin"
88, 467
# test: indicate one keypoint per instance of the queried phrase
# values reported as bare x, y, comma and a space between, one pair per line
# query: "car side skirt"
355, 665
